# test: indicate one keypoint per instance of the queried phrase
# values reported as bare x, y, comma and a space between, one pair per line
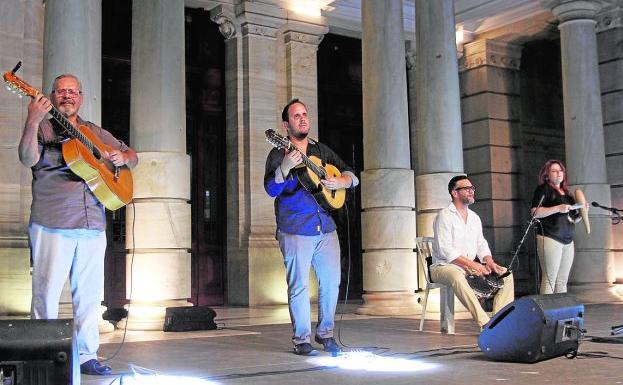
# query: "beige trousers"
454, 276
556, 260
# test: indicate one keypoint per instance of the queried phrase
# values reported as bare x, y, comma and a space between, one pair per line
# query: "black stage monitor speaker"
189, 318
37, 352
534, 328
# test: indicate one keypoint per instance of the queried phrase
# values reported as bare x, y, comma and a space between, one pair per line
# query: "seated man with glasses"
458, 241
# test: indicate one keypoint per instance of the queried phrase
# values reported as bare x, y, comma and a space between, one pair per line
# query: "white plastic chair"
425, 255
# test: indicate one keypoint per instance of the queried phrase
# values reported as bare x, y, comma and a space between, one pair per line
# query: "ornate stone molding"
410, 59
300, 37
225, 20
410, 54
567, 10
610, 18
258, 30
491, 53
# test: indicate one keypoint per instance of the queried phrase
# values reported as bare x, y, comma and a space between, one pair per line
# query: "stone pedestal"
387, 185
584, 145
158, 227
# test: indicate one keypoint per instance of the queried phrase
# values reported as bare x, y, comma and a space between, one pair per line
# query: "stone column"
387, 185
21, 33
158, 269
255, 272
609, 38
410, 58
439, 139
490, 112
592, 274
301, 39
73, 44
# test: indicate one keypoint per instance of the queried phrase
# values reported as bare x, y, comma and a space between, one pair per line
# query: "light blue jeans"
300, 252
79, 253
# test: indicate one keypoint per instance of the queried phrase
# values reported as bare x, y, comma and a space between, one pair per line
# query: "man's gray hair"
63, 76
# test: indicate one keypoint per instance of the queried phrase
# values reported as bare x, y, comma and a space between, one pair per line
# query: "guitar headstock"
17, 85
277, 140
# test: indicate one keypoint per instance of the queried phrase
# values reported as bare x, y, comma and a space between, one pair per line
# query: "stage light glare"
372, 363
156, 379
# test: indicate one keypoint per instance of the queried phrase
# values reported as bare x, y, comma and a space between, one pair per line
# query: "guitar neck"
319, 171
71, 129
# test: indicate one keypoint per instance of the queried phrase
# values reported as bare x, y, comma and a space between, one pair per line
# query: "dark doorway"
340, 126
205, 133
205, 130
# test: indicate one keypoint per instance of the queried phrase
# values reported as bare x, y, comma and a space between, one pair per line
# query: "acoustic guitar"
310, 172
111, 185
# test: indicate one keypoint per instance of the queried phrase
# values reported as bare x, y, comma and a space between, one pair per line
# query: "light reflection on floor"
156, 379
371, 362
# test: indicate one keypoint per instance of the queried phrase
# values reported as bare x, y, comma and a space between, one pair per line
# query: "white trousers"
556, 260
78, 253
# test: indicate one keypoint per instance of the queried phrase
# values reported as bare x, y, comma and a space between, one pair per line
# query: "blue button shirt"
296, 210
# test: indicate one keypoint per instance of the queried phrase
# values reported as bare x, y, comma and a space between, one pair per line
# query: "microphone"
612, 209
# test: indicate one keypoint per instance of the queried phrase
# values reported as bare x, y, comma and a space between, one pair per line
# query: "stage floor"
253, 347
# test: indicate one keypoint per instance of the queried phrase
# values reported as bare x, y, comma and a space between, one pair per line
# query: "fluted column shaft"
439, 138
158, 268
593, 270
387, 186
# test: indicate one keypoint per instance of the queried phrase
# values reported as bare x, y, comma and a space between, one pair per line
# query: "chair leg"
423, 316
447, 309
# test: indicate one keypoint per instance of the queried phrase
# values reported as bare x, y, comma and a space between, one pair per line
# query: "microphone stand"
532, 222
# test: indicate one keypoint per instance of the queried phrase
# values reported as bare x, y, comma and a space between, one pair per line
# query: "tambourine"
581, 200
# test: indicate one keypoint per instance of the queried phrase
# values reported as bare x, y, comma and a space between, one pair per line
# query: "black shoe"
304, 349
94, 368
329, 344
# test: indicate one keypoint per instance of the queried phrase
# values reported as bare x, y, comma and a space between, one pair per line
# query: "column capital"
260, 19
226, 20
486, 52
410, 54
304, 32
566, 10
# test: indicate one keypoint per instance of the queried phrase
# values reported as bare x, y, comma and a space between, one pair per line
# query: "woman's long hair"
544, 174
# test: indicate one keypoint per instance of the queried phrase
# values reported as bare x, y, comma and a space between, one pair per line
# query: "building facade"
491, 89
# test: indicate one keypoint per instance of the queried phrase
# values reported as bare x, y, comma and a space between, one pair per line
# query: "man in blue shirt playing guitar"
300, 176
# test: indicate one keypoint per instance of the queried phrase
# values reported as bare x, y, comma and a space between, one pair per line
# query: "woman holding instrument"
558, 212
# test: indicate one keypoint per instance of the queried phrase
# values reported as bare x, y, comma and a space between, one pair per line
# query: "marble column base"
103, 325
148, 315
597, 292
390, 304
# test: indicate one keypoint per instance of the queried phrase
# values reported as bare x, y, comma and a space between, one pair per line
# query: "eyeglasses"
467, 188
68, 92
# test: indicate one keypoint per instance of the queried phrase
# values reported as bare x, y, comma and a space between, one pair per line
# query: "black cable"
343, 306
127, 319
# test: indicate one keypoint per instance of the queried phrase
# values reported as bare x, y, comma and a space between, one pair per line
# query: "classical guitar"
311, 171
83, 154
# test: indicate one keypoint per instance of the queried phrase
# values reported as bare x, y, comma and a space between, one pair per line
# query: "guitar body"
113, 191
327, 199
